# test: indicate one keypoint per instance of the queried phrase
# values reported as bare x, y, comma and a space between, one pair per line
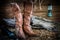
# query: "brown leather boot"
19, 29
19, 20
27, 17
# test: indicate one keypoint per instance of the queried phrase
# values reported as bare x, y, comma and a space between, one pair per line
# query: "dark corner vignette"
29, 20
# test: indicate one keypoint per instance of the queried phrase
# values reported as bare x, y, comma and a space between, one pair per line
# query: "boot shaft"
27, 14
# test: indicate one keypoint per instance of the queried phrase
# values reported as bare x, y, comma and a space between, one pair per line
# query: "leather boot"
27, 17
19, 21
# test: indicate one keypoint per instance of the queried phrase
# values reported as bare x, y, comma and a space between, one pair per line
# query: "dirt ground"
43, 35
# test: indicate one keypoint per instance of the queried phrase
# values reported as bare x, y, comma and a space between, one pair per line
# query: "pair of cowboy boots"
23, 22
